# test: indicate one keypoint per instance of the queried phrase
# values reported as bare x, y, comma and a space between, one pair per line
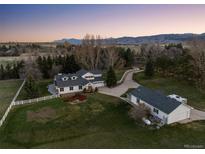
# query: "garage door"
178, 116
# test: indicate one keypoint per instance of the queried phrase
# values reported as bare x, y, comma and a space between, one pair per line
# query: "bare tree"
113, 58
197, 52
30, 69
55, 70
139, 112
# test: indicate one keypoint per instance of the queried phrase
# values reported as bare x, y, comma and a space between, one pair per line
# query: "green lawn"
119, 73
8, 89
196, 98
42, 87
101, 122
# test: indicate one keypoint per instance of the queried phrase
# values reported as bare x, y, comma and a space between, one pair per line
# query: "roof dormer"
74, 77
65, 78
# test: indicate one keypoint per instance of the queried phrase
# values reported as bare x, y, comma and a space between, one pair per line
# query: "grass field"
42, 87
101, 122
196, 98
5, 60
8, 89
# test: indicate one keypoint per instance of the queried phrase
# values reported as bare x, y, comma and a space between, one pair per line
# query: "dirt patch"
42, 115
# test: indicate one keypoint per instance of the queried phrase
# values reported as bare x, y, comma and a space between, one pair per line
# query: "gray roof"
156, 99
97, 79
77, 82
81, 72
96, 71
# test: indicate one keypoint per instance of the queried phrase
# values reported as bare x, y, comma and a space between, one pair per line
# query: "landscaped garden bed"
77, 98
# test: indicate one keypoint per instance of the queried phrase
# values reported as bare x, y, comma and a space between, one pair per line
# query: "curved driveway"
123, 87
127, 83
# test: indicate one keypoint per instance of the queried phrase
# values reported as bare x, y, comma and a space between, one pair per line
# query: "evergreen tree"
31, 88
49, 63
74, 66
129, 58
70, 65
8, 71
149, 68
111, 79
2, 72
14, 71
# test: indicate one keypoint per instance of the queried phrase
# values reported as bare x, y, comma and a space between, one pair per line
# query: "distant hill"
71, 41
162, 38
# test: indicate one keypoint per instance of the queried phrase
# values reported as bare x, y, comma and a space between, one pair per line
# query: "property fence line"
12, 104
35, 100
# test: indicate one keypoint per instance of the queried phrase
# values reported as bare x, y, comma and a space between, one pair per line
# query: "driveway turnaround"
123, 87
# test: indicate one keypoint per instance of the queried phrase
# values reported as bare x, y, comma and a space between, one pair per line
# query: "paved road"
123, 87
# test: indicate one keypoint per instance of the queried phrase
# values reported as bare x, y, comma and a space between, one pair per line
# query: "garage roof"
156, 99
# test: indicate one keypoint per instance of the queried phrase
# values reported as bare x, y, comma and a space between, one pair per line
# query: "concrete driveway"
127, 83
123, 87
195, 115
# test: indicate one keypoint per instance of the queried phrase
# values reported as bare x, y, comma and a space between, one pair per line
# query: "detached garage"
167, 109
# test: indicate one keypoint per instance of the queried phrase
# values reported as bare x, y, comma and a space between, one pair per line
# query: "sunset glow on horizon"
43, 23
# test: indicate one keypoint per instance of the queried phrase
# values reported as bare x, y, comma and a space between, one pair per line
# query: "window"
89, 77
155, 110
61, 89
80, 87
71, 88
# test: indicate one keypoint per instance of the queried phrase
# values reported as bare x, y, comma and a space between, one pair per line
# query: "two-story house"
79, 81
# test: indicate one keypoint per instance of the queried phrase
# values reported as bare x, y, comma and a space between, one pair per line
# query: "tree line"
50, 66
11, 71
187, 64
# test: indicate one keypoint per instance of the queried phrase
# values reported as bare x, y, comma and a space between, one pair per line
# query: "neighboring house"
167, 109
79, 81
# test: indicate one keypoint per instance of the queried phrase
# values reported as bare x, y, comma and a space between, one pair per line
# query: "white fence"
13, 103
35, 100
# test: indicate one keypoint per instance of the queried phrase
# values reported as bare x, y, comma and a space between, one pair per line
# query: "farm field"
196, 98
101, 122
42, 87
5, 60
8, 89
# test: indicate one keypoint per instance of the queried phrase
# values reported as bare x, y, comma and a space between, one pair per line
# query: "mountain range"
161, 38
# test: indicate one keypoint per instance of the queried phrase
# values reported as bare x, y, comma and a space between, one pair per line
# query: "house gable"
180, 113
88, 76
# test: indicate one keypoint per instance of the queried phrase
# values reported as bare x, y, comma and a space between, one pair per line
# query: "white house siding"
88, 75
133, 99
180, 113
97, 75
98, 84
67, 90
